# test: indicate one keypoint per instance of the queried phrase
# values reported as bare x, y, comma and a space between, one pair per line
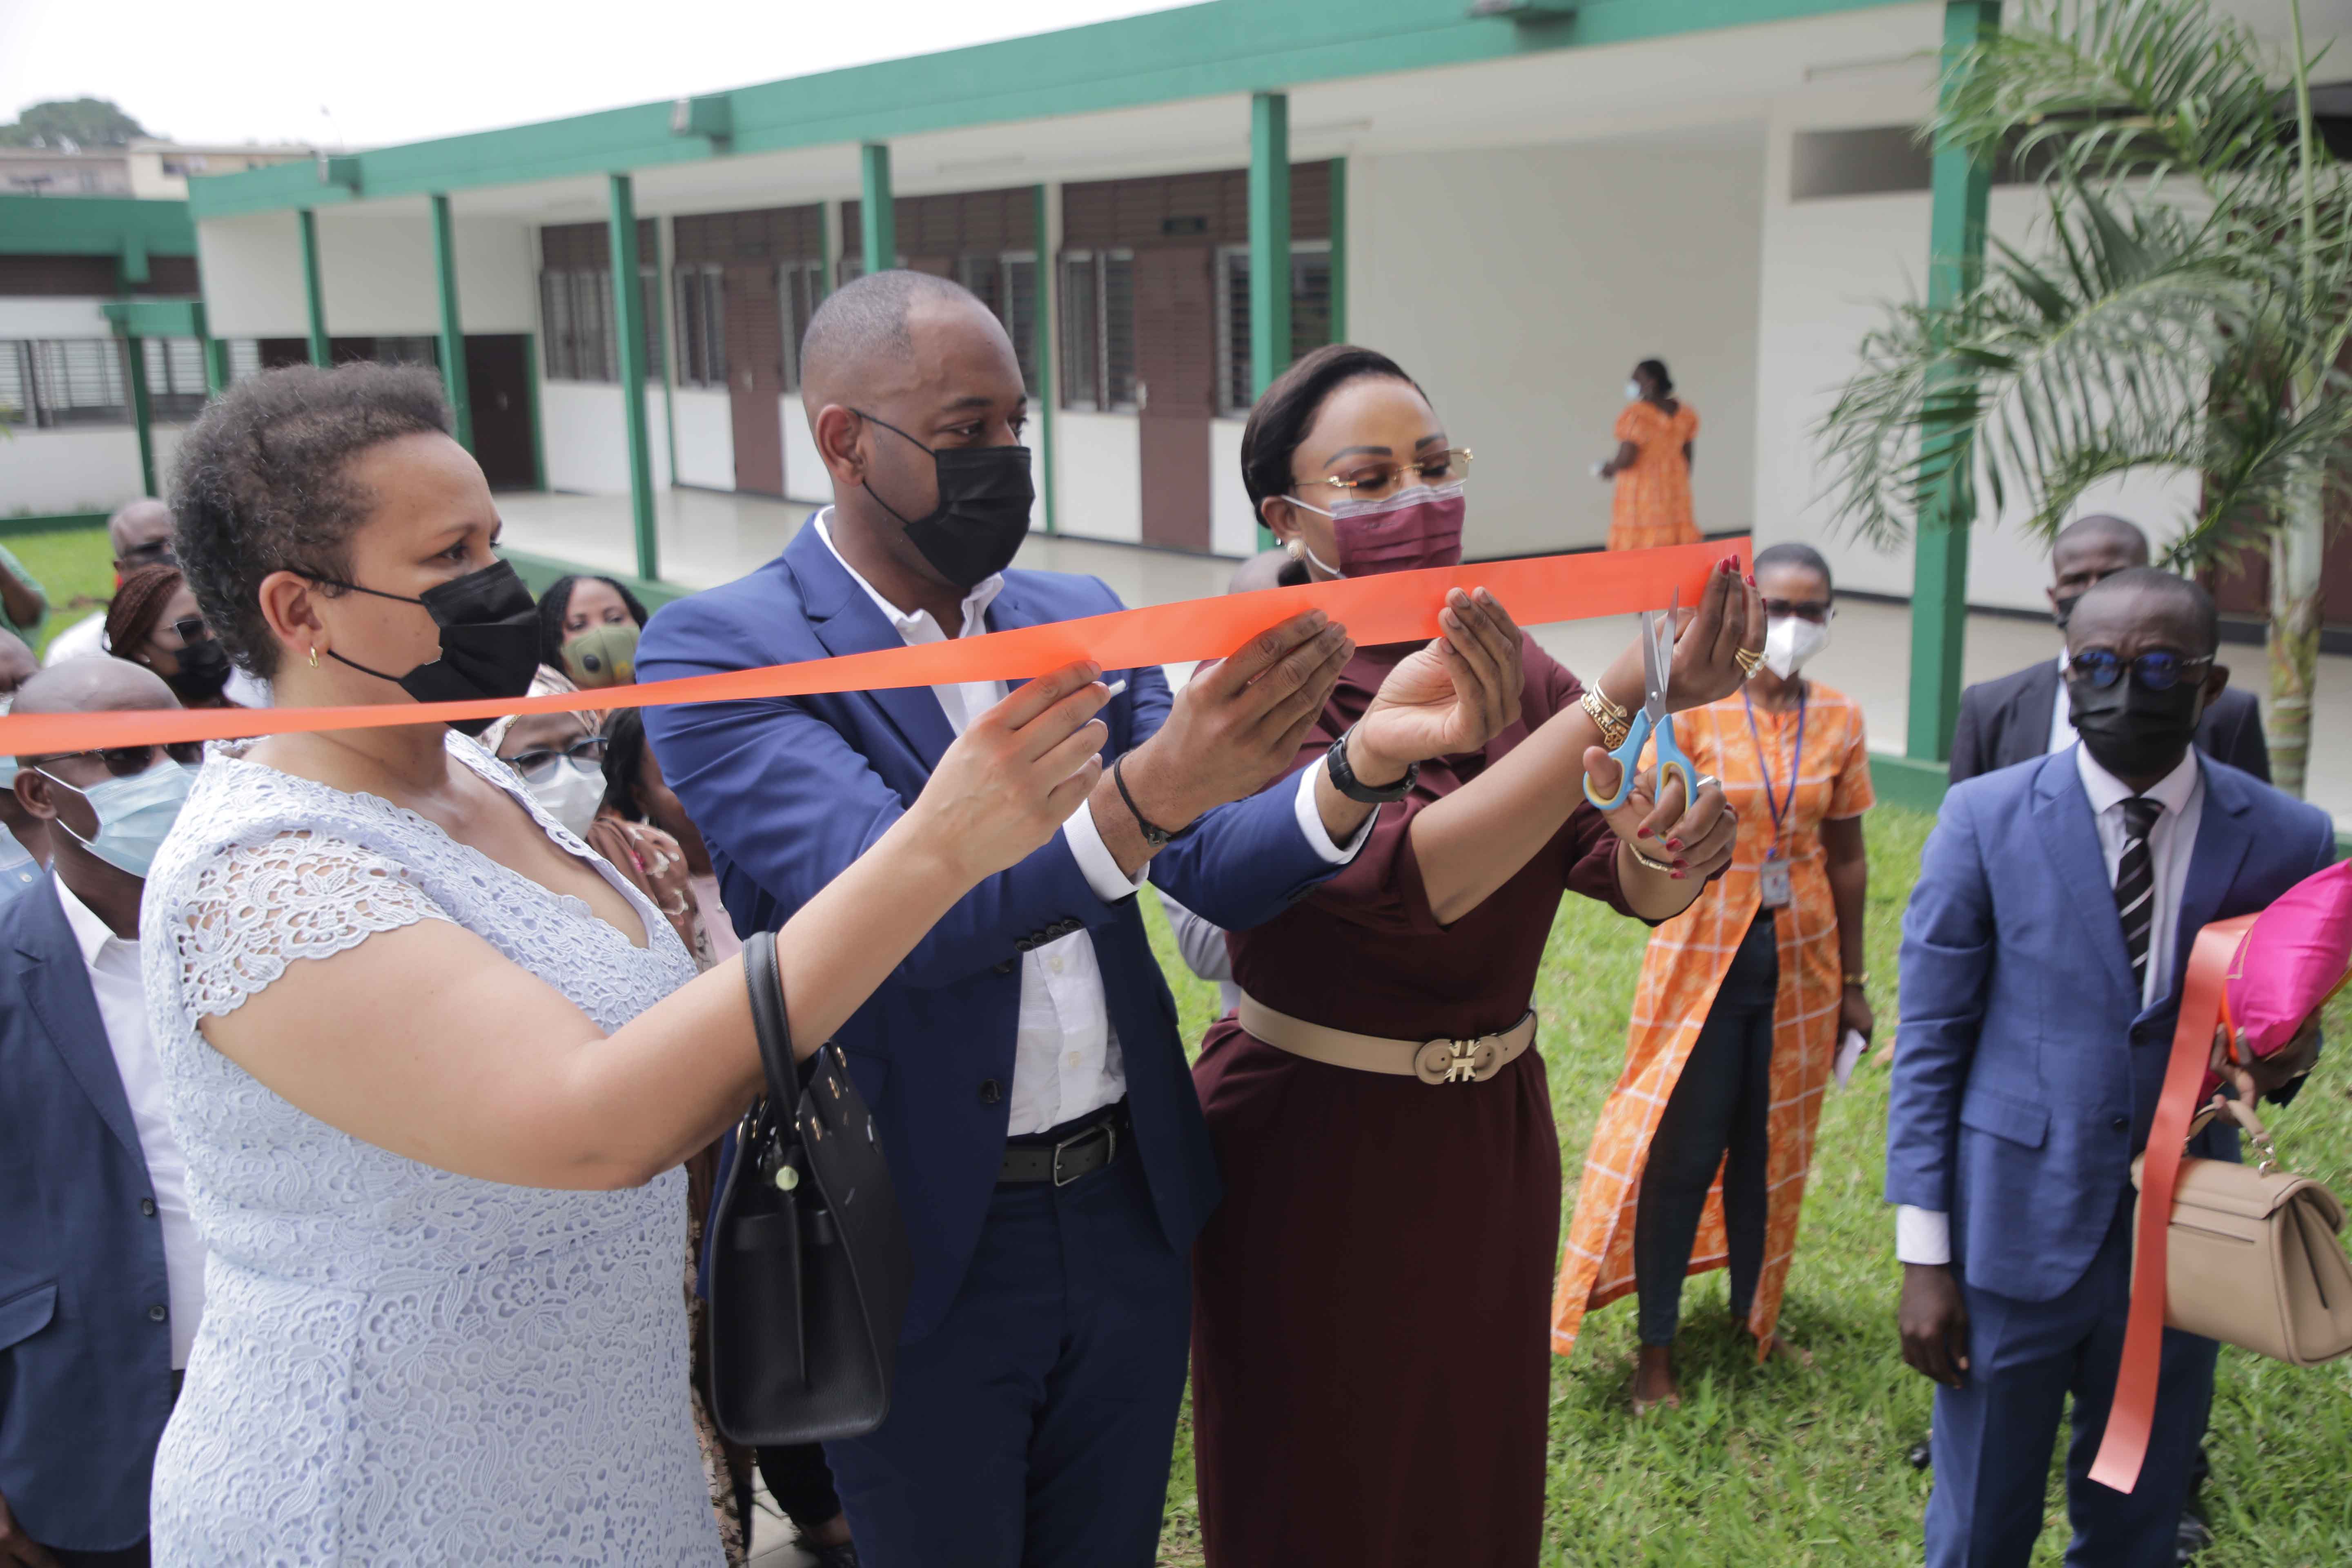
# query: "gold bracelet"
1614, 721
1644, 859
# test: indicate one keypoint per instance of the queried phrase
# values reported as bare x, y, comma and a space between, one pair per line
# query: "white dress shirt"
1065, 1057
1924, 1235
114, 966
2062, 713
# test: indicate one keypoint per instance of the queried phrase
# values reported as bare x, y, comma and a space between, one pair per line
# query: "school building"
1518, 199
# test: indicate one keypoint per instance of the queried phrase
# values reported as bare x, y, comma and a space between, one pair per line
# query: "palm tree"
2186, 308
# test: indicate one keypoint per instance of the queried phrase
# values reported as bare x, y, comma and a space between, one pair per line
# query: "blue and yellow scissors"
1653, 720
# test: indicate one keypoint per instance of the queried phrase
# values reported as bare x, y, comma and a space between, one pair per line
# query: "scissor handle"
1628, 758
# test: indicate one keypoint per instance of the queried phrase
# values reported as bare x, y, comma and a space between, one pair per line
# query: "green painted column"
134, 355
453, 332
1269, 247
828, 216
1041, 396
1939, 570
662, 297
216, 366
877, 213
628, 331
1339, 250
313, 293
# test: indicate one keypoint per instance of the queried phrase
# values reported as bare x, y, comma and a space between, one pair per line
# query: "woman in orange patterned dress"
1652, 464
1742, 1001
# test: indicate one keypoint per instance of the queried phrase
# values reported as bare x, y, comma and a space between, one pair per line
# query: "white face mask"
1633, 392
569, 797
1789, 641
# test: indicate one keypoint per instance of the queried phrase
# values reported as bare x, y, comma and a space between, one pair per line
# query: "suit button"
990, 1093
147, 1208
1005, 967
2120, 1122
156, 1314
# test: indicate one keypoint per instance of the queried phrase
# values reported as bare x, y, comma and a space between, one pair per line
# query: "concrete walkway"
709, 537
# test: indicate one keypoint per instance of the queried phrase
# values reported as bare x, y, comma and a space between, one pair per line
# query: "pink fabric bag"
2297, 955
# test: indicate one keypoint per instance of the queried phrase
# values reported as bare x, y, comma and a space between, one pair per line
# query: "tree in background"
2185, 309
72, 123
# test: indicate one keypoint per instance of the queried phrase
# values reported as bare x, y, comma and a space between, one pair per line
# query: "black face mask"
2134, 732
985, 497
203, 670
489, 641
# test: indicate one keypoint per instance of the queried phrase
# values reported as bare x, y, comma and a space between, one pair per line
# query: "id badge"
1779, 891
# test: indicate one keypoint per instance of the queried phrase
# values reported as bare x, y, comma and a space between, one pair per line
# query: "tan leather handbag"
2254, 1259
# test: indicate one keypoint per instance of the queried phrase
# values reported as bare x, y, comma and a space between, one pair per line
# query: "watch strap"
1153, 834
1344, 779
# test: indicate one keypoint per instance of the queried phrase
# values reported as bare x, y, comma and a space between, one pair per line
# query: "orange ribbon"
1396, 606
2131, 1414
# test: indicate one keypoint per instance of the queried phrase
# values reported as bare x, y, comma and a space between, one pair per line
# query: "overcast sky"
358, 74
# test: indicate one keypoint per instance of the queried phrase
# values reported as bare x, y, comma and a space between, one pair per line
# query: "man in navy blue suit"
2041, 964
1023, 1063
102, 1273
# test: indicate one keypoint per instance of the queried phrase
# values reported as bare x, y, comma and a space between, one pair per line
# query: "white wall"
1232, 526
94, 469
587, 449
32, 316
1520, 285
706, 437
1829, 269
805, 476
1098, 466
376, 269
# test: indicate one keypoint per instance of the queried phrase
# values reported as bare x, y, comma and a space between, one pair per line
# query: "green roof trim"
156, 318
94, 225
1225, 47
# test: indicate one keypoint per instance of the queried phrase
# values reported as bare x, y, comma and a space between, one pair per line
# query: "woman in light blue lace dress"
433, 1063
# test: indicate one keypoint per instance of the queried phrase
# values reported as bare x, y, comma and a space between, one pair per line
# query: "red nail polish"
1678, 877
1673, 843
1751, 579
1641, 833
1681, 864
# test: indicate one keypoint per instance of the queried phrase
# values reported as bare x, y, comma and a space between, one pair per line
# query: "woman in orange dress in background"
1652, 464
1750, 989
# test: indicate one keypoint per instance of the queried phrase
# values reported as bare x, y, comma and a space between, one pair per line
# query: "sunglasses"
130, 762
538, 764
191, 629
1818, 611
2158, 670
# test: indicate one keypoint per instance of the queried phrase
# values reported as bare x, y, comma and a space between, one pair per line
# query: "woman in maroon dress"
1370, 1363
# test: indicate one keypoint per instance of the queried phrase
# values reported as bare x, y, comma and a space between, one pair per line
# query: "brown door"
755, 378
498, 384
1176, 372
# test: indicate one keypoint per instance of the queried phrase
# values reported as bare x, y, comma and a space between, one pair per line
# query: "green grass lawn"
74, 566
1774, 1466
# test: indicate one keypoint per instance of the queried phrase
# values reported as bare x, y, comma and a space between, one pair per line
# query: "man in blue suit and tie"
102, 1271
2041, 962
1023, 1063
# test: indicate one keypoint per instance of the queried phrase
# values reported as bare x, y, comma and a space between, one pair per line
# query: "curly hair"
261, 484
138, 605
556, 603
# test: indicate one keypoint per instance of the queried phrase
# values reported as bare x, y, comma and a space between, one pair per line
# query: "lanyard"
1764, 766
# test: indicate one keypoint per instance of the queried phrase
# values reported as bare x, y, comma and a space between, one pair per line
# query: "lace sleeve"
256, 908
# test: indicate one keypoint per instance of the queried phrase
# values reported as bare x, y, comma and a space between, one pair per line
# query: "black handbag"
809, 1265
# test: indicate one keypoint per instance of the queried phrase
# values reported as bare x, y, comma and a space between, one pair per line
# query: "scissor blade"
1657, 660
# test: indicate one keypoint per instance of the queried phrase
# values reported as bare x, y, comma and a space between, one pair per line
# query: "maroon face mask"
1419, 526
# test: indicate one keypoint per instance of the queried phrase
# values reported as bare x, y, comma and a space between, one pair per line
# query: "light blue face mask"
133, 813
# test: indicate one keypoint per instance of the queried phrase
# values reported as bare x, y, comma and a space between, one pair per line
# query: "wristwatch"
1344, 779
1858, 981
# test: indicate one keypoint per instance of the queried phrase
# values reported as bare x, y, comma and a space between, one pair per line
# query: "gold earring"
1298, 548
314, 656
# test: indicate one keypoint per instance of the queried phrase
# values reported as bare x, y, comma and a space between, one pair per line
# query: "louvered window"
1098, 307
1310, 317
54, 382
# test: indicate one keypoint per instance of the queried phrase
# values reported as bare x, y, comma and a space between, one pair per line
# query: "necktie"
2135, 884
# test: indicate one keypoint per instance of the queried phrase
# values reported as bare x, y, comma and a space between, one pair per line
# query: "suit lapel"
2062, 813
2036, 707
55, 988
846, 620
2222, 840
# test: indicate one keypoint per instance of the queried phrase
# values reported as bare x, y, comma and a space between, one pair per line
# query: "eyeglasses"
1818, 611
538, 764
191, 629
154, 553
1444, 468
2157, 670
128, 761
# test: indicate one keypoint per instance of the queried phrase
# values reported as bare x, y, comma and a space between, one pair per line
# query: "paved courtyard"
709, 537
